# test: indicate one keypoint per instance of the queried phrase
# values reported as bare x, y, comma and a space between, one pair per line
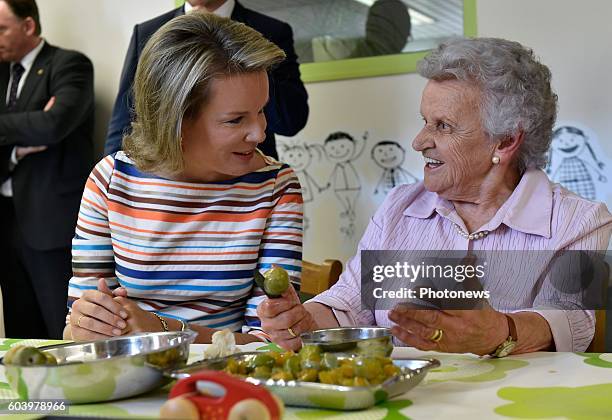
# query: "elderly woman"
177, 223
488, 112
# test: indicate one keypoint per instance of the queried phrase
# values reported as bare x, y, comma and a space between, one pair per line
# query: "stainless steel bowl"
313, 394
352, 340
103, 370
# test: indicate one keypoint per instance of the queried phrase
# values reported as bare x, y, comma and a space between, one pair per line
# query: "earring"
495, 160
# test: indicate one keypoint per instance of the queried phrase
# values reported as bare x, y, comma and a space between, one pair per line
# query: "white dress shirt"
225, 10
6, 189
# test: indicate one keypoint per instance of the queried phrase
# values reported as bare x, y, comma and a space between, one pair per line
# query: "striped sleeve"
281, 243
92, 250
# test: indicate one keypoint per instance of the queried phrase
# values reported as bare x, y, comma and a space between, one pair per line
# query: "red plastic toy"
218, 395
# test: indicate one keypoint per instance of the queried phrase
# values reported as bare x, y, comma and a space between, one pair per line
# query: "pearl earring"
495, 160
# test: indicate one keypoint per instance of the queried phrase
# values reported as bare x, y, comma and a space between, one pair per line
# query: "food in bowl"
28, 356
312, 365
100, 370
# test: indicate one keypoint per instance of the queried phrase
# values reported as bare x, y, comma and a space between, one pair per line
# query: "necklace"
470, 236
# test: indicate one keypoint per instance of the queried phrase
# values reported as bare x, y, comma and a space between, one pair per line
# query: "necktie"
17, 72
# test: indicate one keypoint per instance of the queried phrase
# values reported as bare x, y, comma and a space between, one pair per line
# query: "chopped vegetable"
223, 344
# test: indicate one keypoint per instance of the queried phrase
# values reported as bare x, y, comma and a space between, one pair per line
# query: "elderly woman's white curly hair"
515, 86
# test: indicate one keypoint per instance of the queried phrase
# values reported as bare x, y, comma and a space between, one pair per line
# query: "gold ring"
437, 335
79, 321
293, 334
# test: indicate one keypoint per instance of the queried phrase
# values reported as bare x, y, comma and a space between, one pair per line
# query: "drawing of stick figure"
299, 157
342, 149
390, 156
573, 170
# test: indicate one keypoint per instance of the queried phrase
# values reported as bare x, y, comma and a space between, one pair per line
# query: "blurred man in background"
287, 109
46, 153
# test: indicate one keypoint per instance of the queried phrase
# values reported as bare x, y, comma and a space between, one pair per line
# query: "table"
537, 385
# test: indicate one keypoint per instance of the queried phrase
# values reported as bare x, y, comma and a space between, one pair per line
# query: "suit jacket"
47, 186
287, 110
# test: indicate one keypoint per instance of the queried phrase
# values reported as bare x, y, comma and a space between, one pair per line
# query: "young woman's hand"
96, 315
138, 319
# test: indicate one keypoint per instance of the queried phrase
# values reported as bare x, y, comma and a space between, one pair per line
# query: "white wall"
100, 29
572, 38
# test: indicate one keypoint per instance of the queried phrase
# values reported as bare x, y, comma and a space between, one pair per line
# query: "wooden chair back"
317, 278
598, 345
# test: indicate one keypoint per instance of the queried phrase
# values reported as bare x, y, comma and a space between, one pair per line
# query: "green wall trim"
361, 67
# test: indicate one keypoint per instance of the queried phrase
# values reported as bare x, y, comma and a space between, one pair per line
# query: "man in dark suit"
287, 110
46, 154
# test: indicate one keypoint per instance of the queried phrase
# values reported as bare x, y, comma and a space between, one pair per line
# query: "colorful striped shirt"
187, 250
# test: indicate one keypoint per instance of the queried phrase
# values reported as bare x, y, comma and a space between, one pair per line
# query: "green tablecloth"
537, 385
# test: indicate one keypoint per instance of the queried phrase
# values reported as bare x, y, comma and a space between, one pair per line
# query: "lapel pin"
40, 72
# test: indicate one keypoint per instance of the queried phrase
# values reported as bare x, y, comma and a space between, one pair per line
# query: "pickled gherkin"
274, 282
312, 365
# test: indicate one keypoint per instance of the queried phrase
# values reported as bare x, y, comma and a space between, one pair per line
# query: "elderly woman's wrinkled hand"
284, 319
462, 331
96, 315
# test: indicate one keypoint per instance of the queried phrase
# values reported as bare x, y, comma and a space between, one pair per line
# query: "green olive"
327, 377
310, 351
282, 375
262, 372
330, 361
308, 375
262, 359
28, 356
276, 281
368, 368
232, 366
292, 365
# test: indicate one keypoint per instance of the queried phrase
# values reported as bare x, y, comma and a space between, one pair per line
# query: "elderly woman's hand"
285, 318
463, 331
96, 315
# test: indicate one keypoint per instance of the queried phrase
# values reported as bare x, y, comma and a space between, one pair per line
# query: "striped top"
187, 250
538, 216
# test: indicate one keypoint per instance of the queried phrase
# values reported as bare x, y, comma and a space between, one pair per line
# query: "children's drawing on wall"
299, 156
576, 161
343, 150
390, 156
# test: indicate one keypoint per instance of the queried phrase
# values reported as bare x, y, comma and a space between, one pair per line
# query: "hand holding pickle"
284, 318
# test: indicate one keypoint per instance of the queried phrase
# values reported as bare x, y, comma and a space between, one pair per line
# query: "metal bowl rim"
308, 338
191, 335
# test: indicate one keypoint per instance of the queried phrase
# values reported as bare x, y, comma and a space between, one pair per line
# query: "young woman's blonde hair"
173, 80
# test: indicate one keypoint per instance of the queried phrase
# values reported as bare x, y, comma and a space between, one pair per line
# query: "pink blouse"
539, 215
